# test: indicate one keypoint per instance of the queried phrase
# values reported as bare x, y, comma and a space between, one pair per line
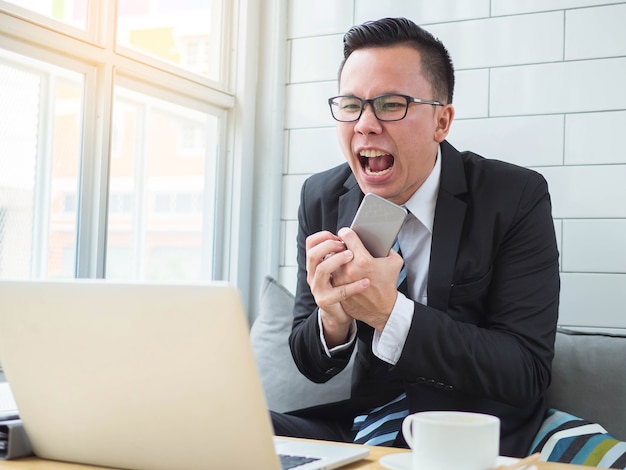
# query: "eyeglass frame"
409, 100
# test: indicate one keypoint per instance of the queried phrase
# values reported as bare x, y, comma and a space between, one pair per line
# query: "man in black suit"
473, 325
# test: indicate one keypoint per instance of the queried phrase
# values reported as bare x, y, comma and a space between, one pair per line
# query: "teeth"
369, 171
372, 153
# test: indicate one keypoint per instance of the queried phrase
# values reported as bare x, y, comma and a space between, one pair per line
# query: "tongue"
380, 163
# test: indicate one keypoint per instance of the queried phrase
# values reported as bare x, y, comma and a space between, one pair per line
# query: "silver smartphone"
377, 223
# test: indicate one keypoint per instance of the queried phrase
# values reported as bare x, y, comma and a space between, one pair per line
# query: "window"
40, 136
114, 139
169, 204
180, 32
74, 14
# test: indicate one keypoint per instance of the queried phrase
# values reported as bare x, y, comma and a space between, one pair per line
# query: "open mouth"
376, 162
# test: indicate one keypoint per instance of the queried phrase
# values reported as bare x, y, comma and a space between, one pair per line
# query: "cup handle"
407, 430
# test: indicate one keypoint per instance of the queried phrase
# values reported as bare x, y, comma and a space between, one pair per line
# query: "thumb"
352, 241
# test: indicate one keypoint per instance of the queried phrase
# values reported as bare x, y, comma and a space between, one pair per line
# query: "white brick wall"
540, 84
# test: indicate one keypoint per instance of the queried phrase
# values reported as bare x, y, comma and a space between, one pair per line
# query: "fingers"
318, 248
323, 272
353, 242
332, 297
327, 254
347, 282
320, 237
329, 273
322, 244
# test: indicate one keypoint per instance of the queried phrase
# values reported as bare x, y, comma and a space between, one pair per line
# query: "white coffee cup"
452, 440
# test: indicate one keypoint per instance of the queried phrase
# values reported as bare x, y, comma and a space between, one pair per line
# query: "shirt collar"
423, 201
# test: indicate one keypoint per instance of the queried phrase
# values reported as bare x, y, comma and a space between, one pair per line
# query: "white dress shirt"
415, 239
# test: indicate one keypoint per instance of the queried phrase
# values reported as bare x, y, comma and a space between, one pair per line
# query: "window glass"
186, 33
73, 12
40, 141
162, 190
110, 118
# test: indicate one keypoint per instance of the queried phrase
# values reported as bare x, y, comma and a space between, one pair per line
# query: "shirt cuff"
388, 344
341, 347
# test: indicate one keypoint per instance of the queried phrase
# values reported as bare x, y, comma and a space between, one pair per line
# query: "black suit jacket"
485, 341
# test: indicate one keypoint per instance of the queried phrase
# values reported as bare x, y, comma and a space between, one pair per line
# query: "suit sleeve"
306, 347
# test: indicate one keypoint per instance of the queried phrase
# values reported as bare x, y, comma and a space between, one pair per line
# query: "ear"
445, 116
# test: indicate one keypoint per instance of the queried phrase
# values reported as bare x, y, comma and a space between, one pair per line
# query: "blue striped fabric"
381, 426
567, 439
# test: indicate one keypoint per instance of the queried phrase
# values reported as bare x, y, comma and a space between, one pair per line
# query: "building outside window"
113, 145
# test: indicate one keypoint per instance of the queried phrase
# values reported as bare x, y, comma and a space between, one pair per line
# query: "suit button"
448, 388
421, 380
439, 385
431, 382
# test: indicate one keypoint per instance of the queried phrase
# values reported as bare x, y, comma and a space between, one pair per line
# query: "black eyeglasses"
385, 107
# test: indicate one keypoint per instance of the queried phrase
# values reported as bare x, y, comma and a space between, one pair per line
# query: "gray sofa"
589, 378
589, 369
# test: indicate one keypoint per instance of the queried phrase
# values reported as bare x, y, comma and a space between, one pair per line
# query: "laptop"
142, 376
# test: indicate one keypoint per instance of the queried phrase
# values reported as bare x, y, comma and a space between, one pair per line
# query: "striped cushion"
568, 439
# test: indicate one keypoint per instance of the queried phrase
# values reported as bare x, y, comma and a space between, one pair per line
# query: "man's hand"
349, 284
325, 255
374, 304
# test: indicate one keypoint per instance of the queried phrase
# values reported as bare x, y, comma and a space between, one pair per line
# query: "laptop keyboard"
293, 461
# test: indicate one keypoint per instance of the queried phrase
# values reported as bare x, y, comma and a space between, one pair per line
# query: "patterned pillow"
568, 439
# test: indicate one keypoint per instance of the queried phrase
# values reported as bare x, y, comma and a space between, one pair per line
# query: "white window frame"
94, 54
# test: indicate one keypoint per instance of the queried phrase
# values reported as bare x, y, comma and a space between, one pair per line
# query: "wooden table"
370, 463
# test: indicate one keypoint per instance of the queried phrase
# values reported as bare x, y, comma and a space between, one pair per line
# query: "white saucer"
402, 461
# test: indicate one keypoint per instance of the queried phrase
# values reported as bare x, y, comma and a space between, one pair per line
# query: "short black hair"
436, 63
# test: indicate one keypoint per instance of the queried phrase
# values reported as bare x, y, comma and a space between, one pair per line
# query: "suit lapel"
447, 227
349, 202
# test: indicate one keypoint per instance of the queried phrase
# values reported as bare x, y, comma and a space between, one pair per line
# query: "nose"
368, 123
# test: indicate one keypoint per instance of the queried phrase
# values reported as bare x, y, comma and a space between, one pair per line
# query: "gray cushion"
286, 389
589, 378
